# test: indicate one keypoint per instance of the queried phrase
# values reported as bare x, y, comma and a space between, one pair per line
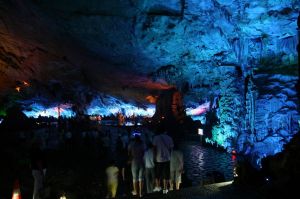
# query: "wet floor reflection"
201, 161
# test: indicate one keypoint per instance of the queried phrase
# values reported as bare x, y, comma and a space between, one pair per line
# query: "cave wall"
274, 114
241, 52
230, 111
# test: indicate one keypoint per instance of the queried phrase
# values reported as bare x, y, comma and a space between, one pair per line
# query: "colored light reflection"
2, 112
18, 88
26, 83
37, 110
111, 106
126, 109
151, 99
203, 108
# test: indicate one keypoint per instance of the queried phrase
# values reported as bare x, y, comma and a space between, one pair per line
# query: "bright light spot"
112, 106
267, 179
39, 110
1, 120
235, 172
18, 88
136, 133
200, 131
223, 184
129, 124
26, 83
63, 197
16, 195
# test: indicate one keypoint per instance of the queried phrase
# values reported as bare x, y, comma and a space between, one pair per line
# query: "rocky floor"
225, 190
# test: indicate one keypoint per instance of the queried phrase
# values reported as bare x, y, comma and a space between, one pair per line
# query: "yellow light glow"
63, 197
18, 88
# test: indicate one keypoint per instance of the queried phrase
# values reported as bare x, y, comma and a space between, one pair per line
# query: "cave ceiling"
71, 50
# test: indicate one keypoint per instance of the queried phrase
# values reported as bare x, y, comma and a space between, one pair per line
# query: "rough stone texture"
230, 111
69, 51
276, 114
213, 191
145, 36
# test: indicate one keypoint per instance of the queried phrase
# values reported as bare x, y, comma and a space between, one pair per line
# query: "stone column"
170, 111
298, 48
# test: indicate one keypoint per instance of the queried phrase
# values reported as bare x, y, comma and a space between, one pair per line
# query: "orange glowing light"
18, 88
151, 99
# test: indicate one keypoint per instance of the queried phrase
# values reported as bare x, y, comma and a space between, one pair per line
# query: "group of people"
158, 163
143, 163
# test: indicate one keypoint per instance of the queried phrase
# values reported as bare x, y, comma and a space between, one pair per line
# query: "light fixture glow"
37, 110
203, 108
200, 131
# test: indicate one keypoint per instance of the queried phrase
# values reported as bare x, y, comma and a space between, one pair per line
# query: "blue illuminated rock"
130, 49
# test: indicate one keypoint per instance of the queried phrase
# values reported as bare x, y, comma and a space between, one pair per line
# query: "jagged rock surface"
71, 50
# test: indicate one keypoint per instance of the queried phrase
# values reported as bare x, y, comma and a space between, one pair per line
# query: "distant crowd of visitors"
143, 162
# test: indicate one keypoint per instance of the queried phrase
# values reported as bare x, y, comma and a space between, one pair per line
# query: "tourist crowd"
155, 161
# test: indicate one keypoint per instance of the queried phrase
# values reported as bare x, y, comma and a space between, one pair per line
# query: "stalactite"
288, 44
250, 97
230, 111
298, 48
183, 6
252, 104
241, 10
240, 48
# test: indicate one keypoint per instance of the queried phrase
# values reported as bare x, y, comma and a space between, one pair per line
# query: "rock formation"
241, 52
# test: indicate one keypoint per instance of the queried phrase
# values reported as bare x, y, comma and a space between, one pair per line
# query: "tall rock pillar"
298, 48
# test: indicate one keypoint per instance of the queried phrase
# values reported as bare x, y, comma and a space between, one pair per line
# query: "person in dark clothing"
122, 163
38, 167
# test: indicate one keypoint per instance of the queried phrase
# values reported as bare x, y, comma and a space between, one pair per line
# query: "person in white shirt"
176, 167
112, 173
163, 145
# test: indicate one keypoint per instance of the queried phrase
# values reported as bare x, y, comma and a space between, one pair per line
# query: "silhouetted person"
176, 167
122, 162
136, 153
112, 173
163, 145
149, 168
38, 167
